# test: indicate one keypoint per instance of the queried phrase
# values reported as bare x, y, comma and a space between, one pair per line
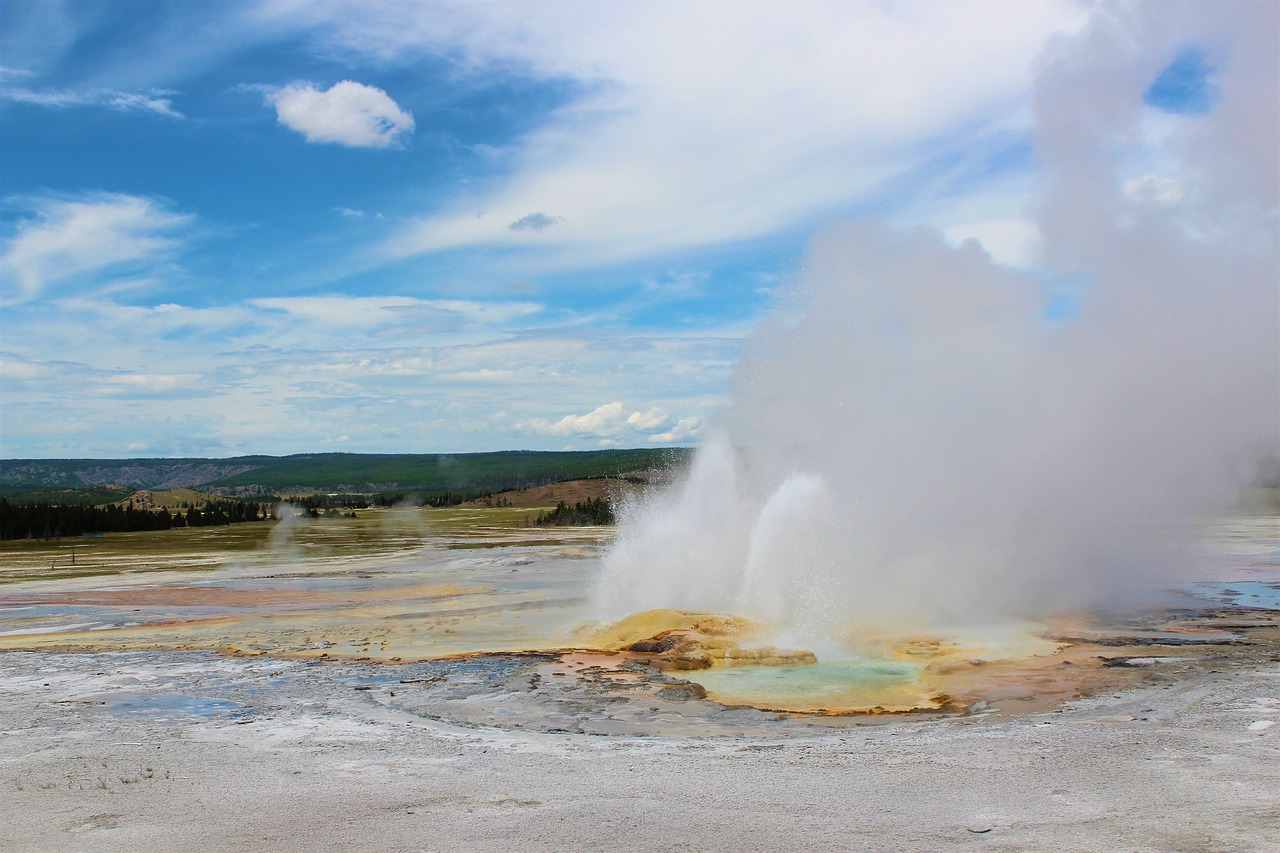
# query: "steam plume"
912, 442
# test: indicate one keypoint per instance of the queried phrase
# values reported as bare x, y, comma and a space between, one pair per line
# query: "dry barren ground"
190, 750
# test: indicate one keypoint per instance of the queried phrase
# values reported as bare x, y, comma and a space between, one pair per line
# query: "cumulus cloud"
349, 113
601, 421
652, 419
69, 238
685, 430
611, 423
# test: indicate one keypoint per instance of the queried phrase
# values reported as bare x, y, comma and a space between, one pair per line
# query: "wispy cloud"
276, 378
348, 113
153, 382
685, 133
372, 314
67, 238
157, 101
22, 375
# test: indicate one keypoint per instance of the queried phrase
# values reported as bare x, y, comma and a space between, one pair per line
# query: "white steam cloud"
911, 442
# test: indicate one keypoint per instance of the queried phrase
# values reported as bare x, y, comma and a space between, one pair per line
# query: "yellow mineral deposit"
734, 659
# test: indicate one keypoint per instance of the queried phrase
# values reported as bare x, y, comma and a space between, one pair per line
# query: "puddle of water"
51, 629
165, 704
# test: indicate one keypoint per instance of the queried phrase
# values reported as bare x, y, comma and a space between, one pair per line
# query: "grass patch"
262, 543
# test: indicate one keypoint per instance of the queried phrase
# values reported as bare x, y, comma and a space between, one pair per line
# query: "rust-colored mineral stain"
230, 596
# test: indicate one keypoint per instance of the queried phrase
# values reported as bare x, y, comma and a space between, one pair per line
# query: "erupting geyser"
913, 444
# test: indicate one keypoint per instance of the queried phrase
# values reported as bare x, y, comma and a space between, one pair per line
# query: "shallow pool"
827, 686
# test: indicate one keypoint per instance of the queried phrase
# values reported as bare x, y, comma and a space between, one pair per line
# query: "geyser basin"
515, 590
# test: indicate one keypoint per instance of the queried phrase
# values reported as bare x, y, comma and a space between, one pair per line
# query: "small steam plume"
286, 515
912, 443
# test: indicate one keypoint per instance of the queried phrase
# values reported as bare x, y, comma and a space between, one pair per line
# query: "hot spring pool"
827, 686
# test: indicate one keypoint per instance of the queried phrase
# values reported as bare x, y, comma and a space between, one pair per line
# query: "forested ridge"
42, 520
367, 473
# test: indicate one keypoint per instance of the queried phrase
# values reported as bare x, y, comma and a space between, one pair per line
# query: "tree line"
51, 521
357, 500
591, 512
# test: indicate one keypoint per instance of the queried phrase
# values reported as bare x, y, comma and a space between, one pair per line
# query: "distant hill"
310, 473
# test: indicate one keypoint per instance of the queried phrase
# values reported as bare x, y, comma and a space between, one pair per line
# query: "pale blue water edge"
1264, 594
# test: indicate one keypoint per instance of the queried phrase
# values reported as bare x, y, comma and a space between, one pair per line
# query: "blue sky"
274, 227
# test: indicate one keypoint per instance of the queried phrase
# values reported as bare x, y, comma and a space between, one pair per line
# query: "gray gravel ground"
147, 751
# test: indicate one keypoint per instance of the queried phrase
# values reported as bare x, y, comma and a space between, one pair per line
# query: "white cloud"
698, 124
17, 369
1013, 241
82, 381
369, 313
609, 423
152, 102
685, 430
156, 101
601, 421
70, 238
652, 419
254, 379
349, 113
153, 382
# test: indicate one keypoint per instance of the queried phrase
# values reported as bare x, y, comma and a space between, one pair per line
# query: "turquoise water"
829, 685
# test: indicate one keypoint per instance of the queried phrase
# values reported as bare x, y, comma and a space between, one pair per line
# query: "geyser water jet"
913, 445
